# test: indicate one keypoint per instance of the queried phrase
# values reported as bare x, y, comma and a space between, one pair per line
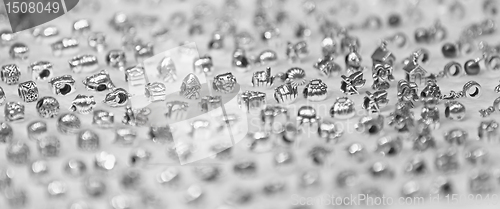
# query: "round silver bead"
40, 170
68, 123
343, 108
14, 111
36, 129
81, 26
125, 136
140, 157
357, 150
2, 96
456, 136
47, 107
224, 83
295, 76
103, 119
62, 85
371, 124
116, 59
453, 69
6, 132
83, 104
307, 115
57, 188
19, 51
329, 130
84, 63
75, 167
389, 146
18, 153
454, 110
97, 41
28, 91
381, 169
49, 146
41, 70
472, 89
316, 90
88, 140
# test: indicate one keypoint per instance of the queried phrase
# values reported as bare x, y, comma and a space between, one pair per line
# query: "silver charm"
343, 108
329, 130
407, 92
430, 91
203, 65
454, 110
62, 85
477, 155
307, 115
140, 157
295, 76
456, 137
487, 131
136, 76
217, 41
83, 104
471, 89
382, 75
263, 78
349, 85
7, 37
382, 56
381, 170
430, 35
353, 60
167, 70
267, 58
296, 52
315, 90
348, 41
389, 146
49, 146
103, 119
28, 91
357, 151
68, 123
116, 59
285, 93
177, 109
65, 46
491, 109
10, 74
143, 52
374, 102
117, 98
190, 87
240, 61
423, 142
327, 67
328, 46
18, 153
224, 83
372, 124
430, 113
6, 133
47, 107
14, 111
83, 63
2, 96
99, 82
161, 134
48, 32
414, 72
81, 26
135, 117
125, 136
249, 100
75, 167
36, 129
41, 70
19, 51
400, 39
155, 92
97, 41
447, 160
402, 118
88, 141
416, 166
208, 103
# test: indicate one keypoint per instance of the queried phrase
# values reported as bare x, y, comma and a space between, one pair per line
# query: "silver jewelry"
2, 96
357, 150
327, 67
430, 35
414, 72
382, 75
203, 65
382, 56
266, 58
18, 153
296, 52
472, 66
328, 45
456, 136
155, 92
430, 91
316, 90
161, 134
371, 124
48, 32
47, 107
81, 26
350, 84
177, 110
448, 69
416, 166
491, 109
49, 146
99, 82
10, 74
135, 117
14, 111
240, 61
28, 91
407, 92
423, 142
285, 93
330, 131
295, 76
471, 89
87, 141
140, 156
103, 119
136, 76
83, 104
39, 169
249, 100
36, 129
454, 110
487, 130
83, 63
263, 78
217, 41
389, 146
105, 161
7, 36
68, 123
125, 136
402, 118
447, 160
19, 51
119, 97
381, 170
97, 41
374, 102
353, 60
167, 70
75, 167
224, 83
343, 108
41, 70
65, 46
307, 114
116, 59
62, 85
6, 132
143, 52
190, 87
477, 155
348, 41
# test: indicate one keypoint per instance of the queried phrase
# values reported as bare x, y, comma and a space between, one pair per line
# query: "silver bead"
357, 151
382, 75
14, 111
217, 41
343, 108
267, 58
416, 166
62, 85
68, 123
208, 103
411, 189
481, 182
285, 93
347, 42
136, 76
329, 130
36, 130
161, 134
193, 193
19, 51
6, 132
240, 61
296, 52
167, 70
273, 118
88, 141
103, 119
156, 92
65, 46
41, 70
263, 78
424, 142
49, 146
472, 89
381, 169
454, 110
477, 155
389, 146
39, 169
116, 59
487, 131
447, 160
224, 83
350, 84
75, 167
95, 186
105, 161
456, 136
249, 100
177, 110
315, 90
374, 102
10, 74
190, 87
203, 65
18, 153
353, 60
453, 69
140, 156
6, 37
307, 114
143, 52
83, 104
47, 107
327, 67
81, 26
119, 97
28, 91
170, 176
430, 91
125, 136
83, 63
135, 117
295, 76
45, 33
328, 46
97, 41
371, 124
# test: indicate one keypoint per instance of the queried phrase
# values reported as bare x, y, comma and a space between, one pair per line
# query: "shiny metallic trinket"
249, 100
49, 146
143, 52
414, 72
68, 123
327, 67
28, 91
266, 58
488, 131
240, 60
224, 83
88, 141
402, 119
47, 107
430, 91
371, 124
285, 93
62, 85
36, 129
208, 103
81, 26
456, 137
316, 90
203, 65
350, 84
116, 59
14, 111
296, 52
374, 102
41, 70
65, 46
155, 92
430, 35
348, 41
97, 41
353, 60
307, 115
416, 166
83, 63
190, 87
343, 108
454, 110
382, 75
389, 146
119, 97
2, 96
176, 109
6, 133
167, 70
330, 131
83, 104
10, 74
295, 76
382, 56
47, 32
328, 46
447, 160
263, 78
103, 119
407, 92
136, 76
19, 51
217, 41
99, 82
135, 117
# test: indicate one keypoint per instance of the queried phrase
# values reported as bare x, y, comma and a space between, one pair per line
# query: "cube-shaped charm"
10, 74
